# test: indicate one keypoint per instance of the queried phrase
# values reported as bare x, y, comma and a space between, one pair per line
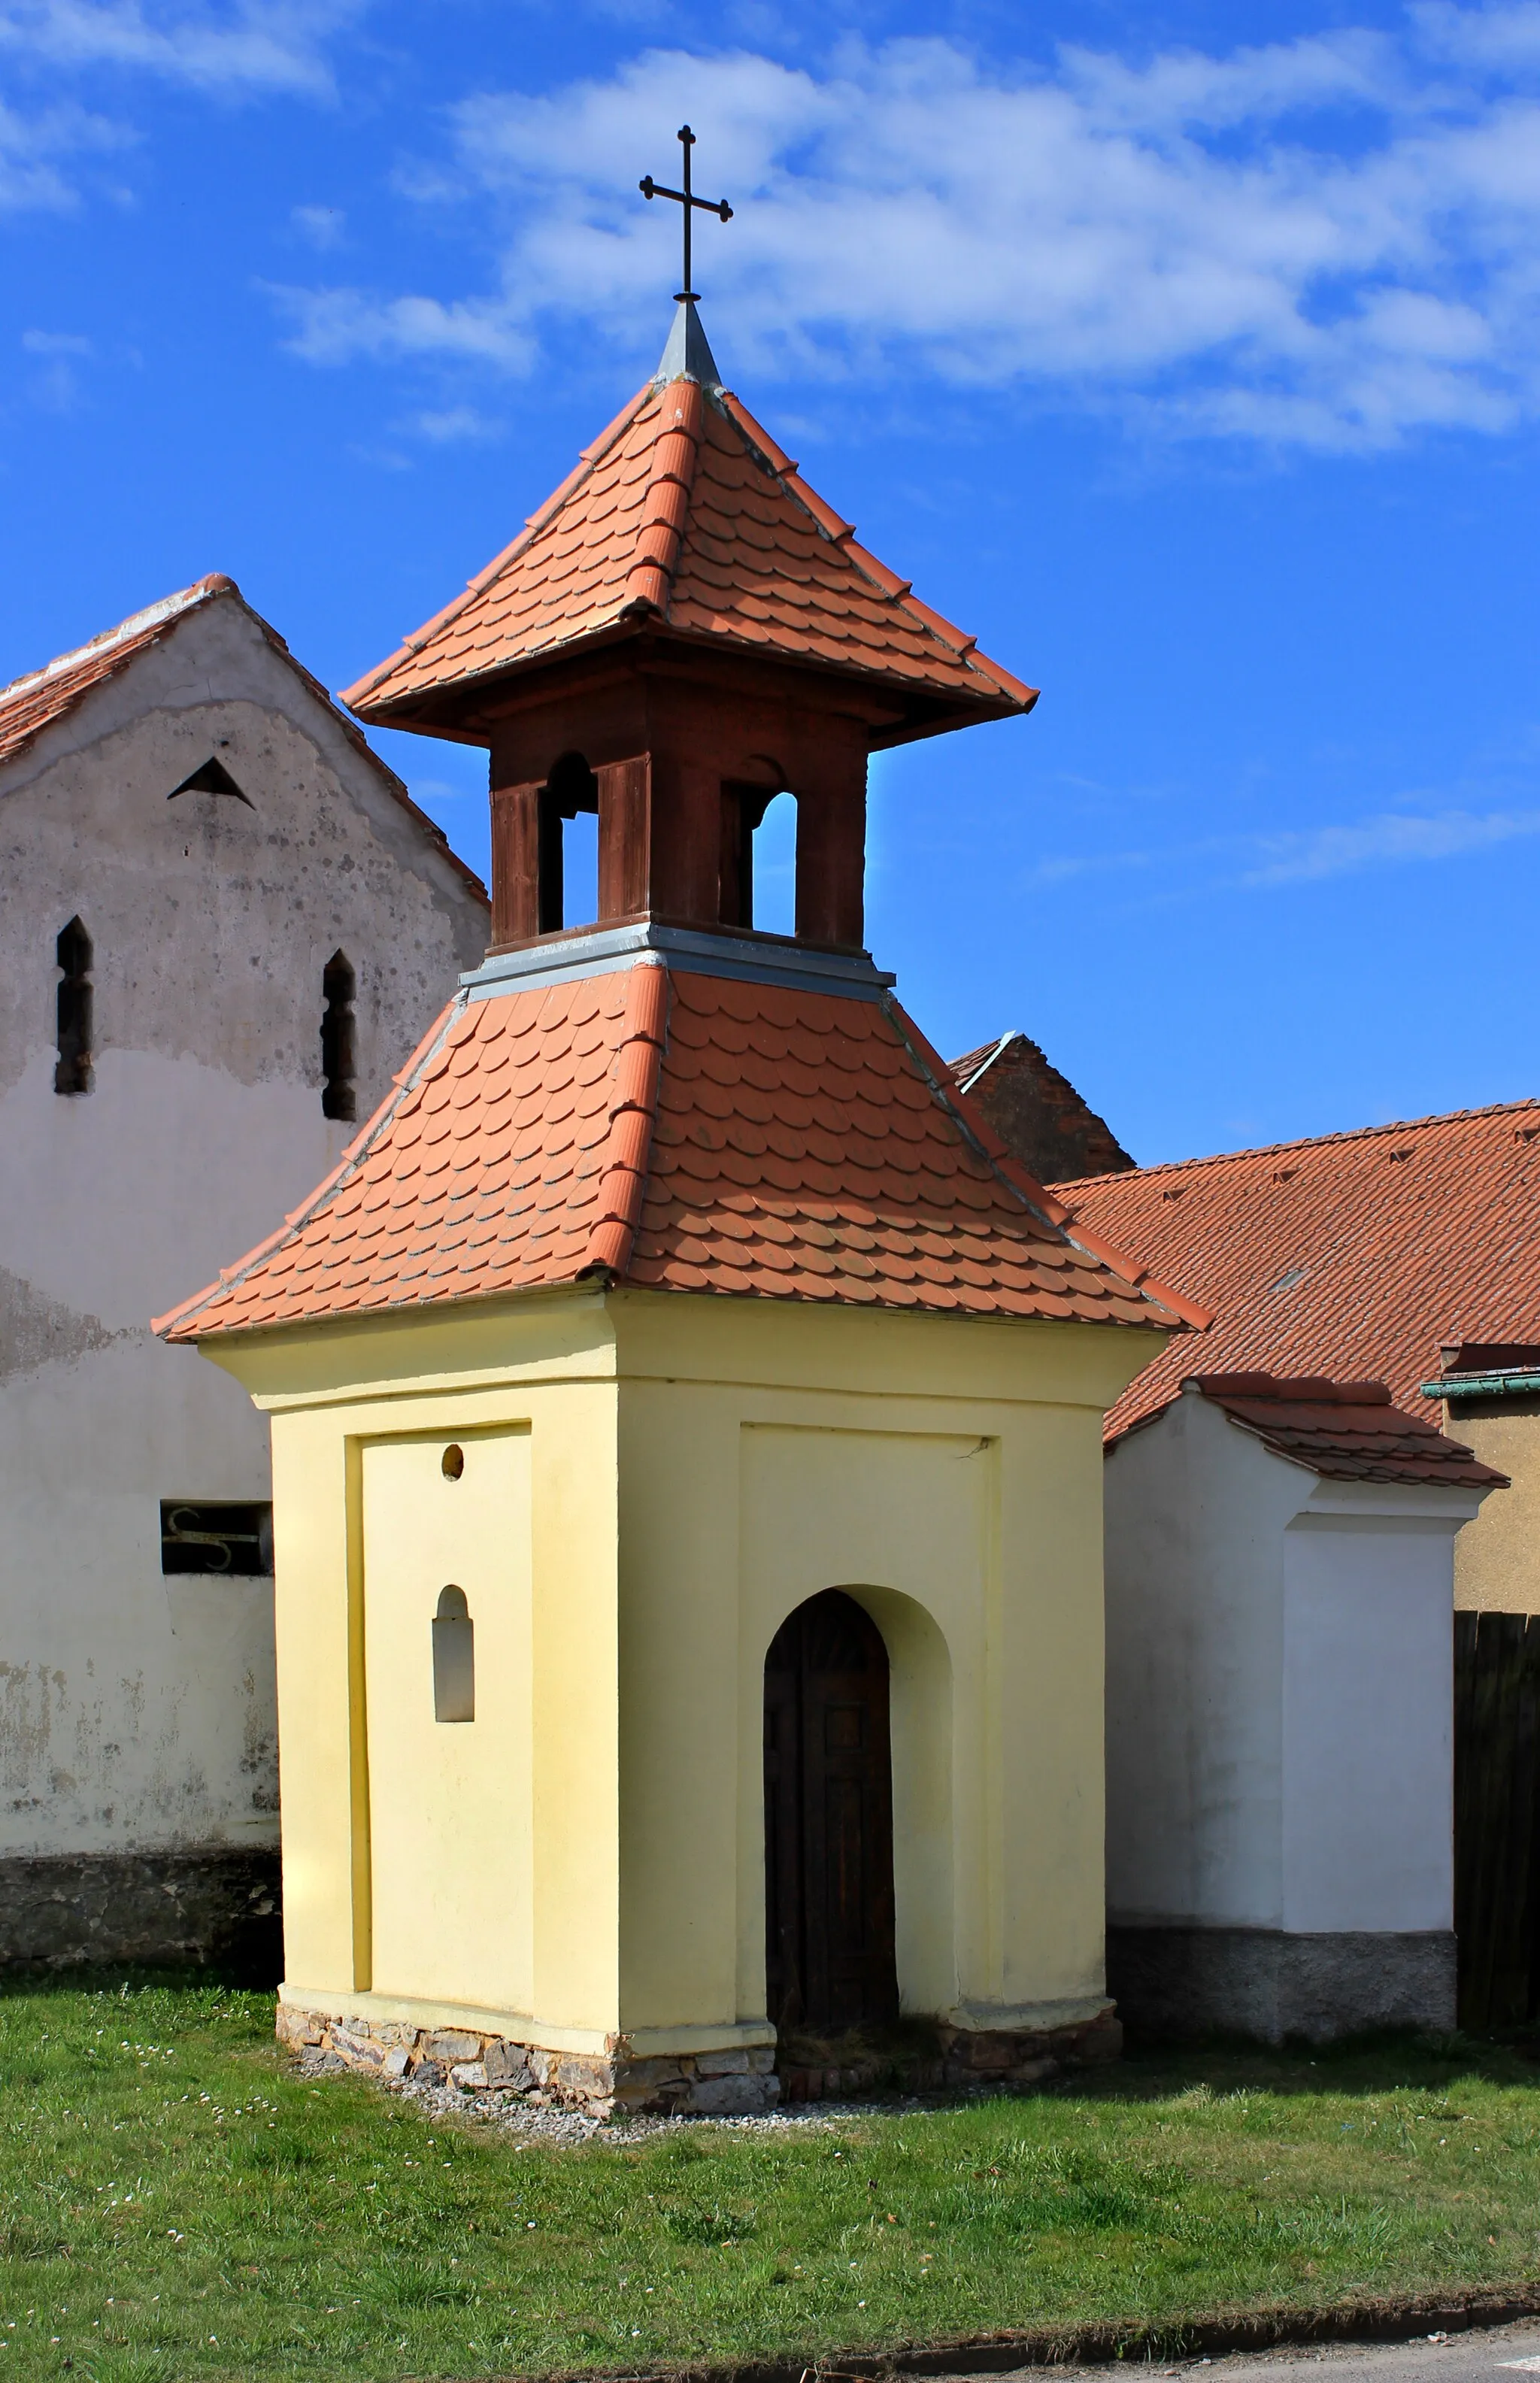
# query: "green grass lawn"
179, 2202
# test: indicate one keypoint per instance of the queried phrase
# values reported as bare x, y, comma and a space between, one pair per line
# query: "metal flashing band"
854, 976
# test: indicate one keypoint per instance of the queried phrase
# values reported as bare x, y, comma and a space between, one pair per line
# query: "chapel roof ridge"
1302, 1142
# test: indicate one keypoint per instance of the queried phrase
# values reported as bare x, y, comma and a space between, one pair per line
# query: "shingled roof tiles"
1355, 1254
685, 512
681, 1132
1346, 1431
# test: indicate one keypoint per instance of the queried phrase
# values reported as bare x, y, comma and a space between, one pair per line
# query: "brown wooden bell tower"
684, 631
678, 753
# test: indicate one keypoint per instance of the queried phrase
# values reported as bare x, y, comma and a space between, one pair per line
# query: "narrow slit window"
73, 954
338, 1062
454, 1657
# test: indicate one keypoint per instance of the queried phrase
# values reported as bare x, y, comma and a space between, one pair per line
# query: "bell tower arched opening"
568, 875
829, 1956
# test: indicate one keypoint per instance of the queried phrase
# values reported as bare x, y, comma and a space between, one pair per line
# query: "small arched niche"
454, 1657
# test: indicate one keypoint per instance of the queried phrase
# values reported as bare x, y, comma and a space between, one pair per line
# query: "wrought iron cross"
687, 201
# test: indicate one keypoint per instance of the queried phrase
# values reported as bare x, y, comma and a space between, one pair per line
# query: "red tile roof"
1346, 1431
1358, 1253
683, 1132
40, 698
1037, 1112
685, 514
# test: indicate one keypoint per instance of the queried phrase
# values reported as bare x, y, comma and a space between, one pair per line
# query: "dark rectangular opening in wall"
233, 1539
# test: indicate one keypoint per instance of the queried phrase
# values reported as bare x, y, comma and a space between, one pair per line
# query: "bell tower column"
832, 849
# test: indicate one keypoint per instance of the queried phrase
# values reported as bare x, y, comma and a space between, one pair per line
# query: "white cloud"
1297, 856
242, 46
1329, 242
452, 425
32, 148
332, 325
54, 382
1395, 837
322, 227
228, 48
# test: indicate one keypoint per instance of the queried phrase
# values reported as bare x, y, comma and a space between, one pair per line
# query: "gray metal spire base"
688, 354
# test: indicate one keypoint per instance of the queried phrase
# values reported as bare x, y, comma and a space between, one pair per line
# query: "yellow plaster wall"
946, 1473
665, 1479
1498, 1556
367, 1531
450, 1805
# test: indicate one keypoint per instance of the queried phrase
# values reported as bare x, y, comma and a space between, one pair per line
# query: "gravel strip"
511, 2114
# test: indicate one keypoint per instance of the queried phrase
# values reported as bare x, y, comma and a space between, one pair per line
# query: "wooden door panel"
829, 1820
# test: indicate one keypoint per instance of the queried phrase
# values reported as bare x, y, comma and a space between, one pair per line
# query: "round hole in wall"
454, 1461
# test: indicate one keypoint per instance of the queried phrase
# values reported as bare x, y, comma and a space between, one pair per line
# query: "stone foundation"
965, 2060
620, 2082
215, 1909
1176, 1982
617, 2082
1005, 2056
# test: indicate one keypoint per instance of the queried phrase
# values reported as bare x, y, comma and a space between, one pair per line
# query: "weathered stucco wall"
137, 1712
1195, 1516
1279, 1721
1498, 1556
1368, 1714
696, 1467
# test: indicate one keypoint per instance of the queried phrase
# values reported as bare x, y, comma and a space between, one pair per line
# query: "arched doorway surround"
828, 1851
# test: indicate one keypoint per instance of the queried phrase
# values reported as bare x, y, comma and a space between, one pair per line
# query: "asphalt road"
1501, 2354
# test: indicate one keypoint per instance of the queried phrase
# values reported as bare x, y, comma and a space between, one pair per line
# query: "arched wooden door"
829, 1899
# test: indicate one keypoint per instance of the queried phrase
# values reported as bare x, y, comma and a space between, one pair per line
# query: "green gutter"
1482, 1385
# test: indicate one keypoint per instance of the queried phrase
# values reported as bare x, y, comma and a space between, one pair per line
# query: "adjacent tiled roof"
683, 1132
1037, 1113
1356, 1255
1346, 1431
34, 702
685, 514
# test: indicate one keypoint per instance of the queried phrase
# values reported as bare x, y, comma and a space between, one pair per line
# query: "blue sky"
1199, 379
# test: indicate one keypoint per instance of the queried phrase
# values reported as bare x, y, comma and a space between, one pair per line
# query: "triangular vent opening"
211, 778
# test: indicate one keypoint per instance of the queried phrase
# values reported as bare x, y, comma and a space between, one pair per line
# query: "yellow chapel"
687, 1416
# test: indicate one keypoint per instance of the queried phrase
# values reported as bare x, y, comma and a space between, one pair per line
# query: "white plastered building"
225, 926
1280, 1585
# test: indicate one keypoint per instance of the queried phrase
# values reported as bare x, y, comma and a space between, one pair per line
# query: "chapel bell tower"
686, 1413
684, 631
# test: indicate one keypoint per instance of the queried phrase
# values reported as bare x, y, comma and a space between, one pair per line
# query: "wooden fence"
1496, 1746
